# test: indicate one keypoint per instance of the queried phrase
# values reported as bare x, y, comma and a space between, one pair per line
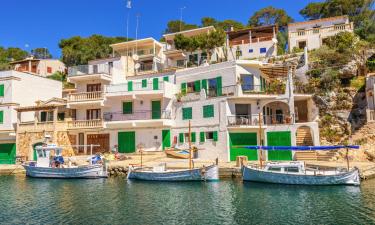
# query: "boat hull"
210, 173
89, 171
344, 178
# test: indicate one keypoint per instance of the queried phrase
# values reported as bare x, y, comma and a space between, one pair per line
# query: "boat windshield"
41, 153
291, 169
273, 168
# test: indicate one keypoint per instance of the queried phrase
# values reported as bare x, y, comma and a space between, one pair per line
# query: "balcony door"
94, 87
243, 113
93, 114
247, 82
156, 109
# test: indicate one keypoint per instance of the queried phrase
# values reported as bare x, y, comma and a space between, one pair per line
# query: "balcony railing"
85, 124
137, 115
136, 86
85, 96
41, 126
253, 120
89, 69
322, 30
247, 40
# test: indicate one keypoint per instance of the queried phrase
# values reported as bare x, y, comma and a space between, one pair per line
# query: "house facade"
313, 33
370, 92
19, 89
40, 67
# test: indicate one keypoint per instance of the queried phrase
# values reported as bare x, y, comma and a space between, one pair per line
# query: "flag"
129, 4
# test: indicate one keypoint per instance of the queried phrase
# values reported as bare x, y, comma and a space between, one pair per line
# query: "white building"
370, 97
252, 43
41, 67
20, 89
313, 33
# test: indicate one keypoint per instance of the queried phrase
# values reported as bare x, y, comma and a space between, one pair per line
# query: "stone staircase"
303, 137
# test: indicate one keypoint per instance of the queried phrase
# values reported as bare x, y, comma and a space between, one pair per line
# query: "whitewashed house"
19, 89
370, 97
313, 33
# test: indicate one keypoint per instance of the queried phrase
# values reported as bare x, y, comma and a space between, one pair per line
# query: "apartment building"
19, 89
313, 33
252, 43
40, 67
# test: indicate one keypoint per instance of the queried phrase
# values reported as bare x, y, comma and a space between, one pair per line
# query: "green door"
155, 84
156, 109
166, 138
7, 153
126, 142
279, 138
237, 143
35, 155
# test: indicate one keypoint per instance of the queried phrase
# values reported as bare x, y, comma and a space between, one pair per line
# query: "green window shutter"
1, 90
130, 86
155, 83
219, 86
187, 113
144, 83
43, 116
1, 117
193, 138
183, 88
208, 111
197, 85
215, 136
166, 78
127, 107
181, 137
202, 137
204, 85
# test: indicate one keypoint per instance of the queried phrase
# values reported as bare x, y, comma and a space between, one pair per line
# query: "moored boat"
50, 164
296, 173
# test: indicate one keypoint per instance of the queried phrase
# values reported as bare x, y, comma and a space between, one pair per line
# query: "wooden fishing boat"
178, 154
160, 173
296, 173
48, 166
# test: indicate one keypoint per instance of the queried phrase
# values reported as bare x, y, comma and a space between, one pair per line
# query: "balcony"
134, 88
329, 30
89, 72
85, 124
144, 118
247, 40
94, 98
253, 120
32, 126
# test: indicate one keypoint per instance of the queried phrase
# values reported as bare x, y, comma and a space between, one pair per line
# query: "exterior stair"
303, 137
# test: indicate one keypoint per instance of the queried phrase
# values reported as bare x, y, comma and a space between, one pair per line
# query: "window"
144, 83
1, 117
251, 50
46, 116
60, 116
291, 169
301, 44
210, 135
212, 87
247, 82
93, 114
94, 87
180, 63
271, 168
49, 69
1, 90
193, 86
263, 50
187, 113
208, 111
127, 107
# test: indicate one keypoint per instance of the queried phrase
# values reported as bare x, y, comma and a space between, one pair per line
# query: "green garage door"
166, 138
279, 138
7, 153
237, 143
126, 142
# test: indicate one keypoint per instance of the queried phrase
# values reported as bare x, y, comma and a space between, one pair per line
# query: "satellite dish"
137, 65
274, 40
135, 57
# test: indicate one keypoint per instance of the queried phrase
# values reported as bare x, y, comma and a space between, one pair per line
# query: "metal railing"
253, 120
136, 86
137, 115
85, 96
81, 124
89, 69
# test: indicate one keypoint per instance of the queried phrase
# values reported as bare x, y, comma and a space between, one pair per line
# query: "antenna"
182, 8
136, 33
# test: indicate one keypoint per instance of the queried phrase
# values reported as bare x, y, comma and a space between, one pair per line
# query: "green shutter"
181, 137
193, 137
127, 107
202, 137
166, 78
144, 83
130, 86
1, 90
155, 83
156, 109
204, 85
219, 86
1, 117
183, 88
208, 111
187, 113
197, 85
215, 136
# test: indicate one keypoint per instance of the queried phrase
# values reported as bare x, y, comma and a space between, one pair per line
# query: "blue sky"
42, 23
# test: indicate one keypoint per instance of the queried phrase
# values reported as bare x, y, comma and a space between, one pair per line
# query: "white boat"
50, 164
160, 173
296, 173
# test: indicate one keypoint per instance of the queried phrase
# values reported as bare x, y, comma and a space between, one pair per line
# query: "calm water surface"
117, 201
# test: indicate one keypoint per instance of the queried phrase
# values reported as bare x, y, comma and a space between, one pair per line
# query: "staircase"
315, 156
304, 137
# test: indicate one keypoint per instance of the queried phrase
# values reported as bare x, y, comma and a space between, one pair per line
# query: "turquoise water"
117, 201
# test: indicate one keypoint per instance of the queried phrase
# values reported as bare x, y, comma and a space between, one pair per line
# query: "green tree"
10, 54
210, 41
270, 16
312, 11
227, 24
77, 50
174, 26
208, 21
41, 53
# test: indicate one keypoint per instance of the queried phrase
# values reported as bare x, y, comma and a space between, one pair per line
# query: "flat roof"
318, 20
139, 42
26, 60
192, 31
245, 30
